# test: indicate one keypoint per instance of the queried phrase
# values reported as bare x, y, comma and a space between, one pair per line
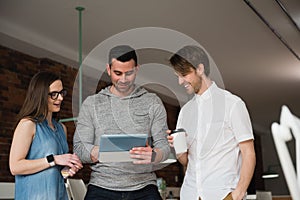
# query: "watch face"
50, 158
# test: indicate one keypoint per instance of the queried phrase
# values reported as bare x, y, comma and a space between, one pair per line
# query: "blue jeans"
150, 192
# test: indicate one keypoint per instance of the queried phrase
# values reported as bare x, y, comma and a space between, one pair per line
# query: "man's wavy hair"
188, 58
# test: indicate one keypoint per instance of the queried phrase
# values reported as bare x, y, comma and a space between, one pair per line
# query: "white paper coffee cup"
179, 140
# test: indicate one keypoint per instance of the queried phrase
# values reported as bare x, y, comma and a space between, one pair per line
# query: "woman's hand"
70, 160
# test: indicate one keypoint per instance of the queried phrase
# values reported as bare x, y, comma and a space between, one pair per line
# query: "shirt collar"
207, 93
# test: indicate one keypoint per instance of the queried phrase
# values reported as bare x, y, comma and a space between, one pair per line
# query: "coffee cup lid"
177, 130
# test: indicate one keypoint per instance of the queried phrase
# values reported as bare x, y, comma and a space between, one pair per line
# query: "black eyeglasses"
54, 95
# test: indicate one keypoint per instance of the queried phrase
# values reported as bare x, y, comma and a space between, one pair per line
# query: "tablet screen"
122, 142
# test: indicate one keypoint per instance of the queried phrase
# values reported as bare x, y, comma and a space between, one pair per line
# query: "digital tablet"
115, 148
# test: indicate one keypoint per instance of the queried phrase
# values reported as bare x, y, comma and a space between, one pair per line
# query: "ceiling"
255, 45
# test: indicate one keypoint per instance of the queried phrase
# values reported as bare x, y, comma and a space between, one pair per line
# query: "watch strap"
153, 156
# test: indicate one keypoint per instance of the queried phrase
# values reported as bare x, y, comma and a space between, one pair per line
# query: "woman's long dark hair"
35, 106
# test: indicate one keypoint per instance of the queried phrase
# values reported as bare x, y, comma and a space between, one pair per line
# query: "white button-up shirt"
215, 122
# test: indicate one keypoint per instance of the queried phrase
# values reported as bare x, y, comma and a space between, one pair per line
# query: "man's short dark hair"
123, 53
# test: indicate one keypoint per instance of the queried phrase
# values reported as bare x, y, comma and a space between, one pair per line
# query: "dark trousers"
150, 192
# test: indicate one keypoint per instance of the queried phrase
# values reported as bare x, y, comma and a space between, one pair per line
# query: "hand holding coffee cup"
179, 140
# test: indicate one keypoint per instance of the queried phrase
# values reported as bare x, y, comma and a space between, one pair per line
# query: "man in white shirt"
220, 159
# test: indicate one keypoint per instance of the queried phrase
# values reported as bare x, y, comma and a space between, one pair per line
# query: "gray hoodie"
106, 113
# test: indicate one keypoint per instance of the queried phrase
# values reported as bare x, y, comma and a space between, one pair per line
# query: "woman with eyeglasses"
39, 148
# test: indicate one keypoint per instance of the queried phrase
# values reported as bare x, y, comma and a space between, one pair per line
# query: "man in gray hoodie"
122, 108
